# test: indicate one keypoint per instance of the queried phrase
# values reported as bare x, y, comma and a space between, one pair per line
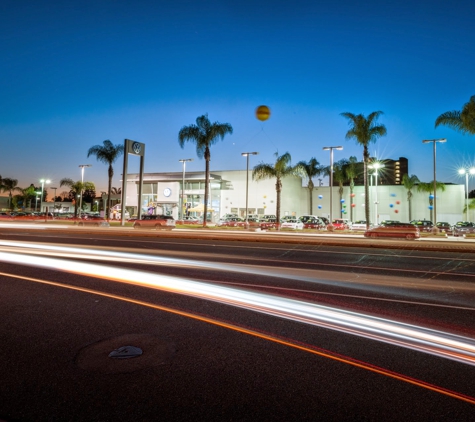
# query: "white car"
292, 224
360, 225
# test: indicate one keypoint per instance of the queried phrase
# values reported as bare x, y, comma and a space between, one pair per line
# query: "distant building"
391, 174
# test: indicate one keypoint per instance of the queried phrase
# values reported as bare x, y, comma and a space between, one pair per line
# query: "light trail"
438, 343
279, 340
354, 281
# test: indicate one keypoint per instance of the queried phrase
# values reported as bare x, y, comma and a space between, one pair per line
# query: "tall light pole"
434, 142
247, 154
376, 166
184, 160
82, 166
54, 199
43, 181
466, 172
36, 203
331, 178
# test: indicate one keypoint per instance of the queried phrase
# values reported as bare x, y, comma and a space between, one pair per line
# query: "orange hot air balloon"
262, 113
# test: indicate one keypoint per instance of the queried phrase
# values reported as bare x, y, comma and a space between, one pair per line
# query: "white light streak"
454, 347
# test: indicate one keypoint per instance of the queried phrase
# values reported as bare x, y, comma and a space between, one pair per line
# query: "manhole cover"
110, 356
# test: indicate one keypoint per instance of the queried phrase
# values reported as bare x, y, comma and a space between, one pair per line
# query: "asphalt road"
210, 358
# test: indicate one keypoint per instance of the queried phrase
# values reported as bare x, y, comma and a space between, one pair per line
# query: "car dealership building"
161, 194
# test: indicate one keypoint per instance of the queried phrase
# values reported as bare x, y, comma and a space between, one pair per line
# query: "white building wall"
392, 200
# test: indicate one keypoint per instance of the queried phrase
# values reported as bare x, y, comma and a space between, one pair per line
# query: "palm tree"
463, 121
351, 171
365, 130
107, 154
76, 189
339, 175
116, 191
409, 182
280, 169
429, 188
308, 171
9, 185
204, 134
471, 206
26, 194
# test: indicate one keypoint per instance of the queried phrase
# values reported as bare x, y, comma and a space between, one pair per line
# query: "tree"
429, 188
463, 121
365, 130
107, 154
76, 189
280, 169
409, 182
339, 176
116, 191
471, 206
9, 185
204, 134
308, 171
26, 196
351, 170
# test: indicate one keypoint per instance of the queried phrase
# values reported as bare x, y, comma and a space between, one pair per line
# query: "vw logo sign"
137, 147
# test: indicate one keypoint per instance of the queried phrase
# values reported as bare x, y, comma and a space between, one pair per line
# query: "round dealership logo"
167, 192
137, 147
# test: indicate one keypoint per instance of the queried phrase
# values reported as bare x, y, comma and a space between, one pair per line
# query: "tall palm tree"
308, 171
429, 188
9, 185
107, 154
463, 121
351, 171
76, 189
409, 182
365, 130
204, 134
339, 176
280, 169
116, 191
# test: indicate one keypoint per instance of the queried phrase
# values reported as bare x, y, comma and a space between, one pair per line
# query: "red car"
404, 230
314, 223
340, 224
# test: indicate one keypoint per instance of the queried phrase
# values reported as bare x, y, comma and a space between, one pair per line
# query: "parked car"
292, 224
188, 220
159, 222
305, 218
288, 218
271, 223
445, 227
423, 225
393, 229
359, 225
463, 227
325, 220
268, 217
340, 224
231, 222
314, 223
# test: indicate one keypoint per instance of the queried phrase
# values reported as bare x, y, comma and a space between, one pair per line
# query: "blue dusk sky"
74, 73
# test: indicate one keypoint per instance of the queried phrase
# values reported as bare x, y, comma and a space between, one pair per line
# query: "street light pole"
376, 166
184, 160
434, 142
43, 181
82, 166
339, 148
247, 154
466, 172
